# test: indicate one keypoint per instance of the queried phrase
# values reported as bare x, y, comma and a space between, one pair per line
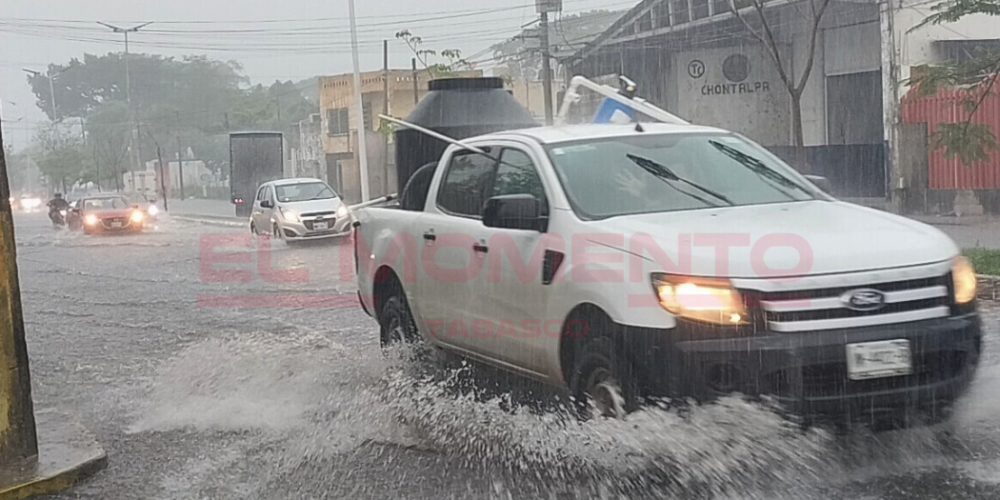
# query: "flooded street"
196, 397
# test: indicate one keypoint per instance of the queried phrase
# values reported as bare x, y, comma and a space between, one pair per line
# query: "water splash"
318, 417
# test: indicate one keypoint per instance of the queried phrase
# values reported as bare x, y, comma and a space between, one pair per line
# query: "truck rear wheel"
603, 382
396, 322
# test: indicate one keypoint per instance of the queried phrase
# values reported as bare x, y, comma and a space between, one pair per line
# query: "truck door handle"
480, 248
430, 236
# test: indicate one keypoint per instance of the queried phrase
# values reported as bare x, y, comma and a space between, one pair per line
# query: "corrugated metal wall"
946, 107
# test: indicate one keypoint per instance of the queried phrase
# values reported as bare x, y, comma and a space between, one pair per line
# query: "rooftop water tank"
458, 108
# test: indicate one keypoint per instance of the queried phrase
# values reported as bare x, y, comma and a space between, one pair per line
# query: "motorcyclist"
56, 205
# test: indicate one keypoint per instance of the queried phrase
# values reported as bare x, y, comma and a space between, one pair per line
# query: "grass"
985, 260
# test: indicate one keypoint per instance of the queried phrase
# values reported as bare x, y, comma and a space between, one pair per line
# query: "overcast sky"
286, 40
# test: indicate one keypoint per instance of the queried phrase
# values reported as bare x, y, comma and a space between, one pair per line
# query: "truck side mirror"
266, 204
514, 211
821, 182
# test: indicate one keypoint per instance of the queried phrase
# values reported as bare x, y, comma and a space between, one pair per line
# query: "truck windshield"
669, 172
304, 192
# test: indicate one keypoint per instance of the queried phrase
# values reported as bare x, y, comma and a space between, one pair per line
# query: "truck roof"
566, 133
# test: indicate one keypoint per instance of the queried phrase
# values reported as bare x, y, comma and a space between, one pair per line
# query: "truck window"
463, 190
516, 174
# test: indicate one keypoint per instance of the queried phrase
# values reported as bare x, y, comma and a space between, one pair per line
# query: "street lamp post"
132, 136
52, 88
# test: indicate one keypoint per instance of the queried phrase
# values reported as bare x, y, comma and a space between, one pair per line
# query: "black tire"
396, 323
603, 379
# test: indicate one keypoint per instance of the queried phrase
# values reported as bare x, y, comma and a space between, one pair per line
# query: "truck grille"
831, 379
825, 309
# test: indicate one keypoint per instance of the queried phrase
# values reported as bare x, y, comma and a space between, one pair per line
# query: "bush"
985, 260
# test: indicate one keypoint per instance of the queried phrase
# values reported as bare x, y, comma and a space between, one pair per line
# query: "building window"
699, 9
678, 12
338, 121
366, 109
645, 22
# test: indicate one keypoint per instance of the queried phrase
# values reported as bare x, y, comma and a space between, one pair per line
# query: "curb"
67, 455
209, 220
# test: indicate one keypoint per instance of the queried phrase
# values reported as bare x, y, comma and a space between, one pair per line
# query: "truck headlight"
963, 278
289, 215
709, 300
342, 211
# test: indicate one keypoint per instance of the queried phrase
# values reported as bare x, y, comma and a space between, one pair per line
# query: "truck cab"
629, 263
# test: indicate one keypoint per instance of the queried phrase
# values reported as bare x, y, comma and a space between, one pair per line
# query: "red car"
106, 214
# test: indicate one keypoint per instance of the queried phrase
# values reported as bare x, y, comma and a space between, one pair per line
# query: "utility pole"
180, 156
162, 174
890, 104
133, 135
359, 106
180, 167
385, 111
18, 439
97, 164
52, 89
546, 65
416, 86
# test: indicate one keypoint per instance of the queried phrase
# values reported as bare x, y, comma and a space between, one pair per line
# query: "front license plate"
116, 224
320, 225
890, 358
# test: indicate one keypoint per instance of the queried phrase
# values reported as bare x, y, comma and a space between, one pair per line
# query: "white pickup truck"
630, 262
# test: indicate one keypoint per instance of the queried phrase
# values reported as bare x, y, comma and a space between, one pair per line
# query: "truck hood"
767, 240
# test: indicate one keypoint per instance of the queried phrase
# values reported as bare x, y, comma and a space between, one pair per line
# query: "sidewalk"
968, 232
203, 208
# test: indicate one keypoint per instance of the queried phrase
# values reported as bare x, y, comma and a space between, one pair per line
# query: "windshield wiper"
661, 171
320, 195
758, 167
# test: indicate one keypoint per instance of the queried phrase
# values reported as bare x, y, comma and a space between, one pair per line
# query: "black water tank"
458, 108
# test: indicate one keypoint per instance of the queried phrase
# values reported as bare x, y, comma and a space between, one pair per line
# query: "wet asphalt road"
201, 389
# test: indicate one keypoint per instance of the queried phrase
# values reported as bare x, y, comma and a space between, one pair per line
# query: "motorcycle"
58, 218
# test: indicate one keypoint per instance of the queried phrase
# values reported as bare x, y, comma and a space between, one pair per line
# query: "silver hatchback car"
299, 209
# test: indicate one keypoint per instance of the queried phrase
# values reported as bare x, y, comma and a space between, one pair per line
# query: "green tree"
108, 131
977, 75
763, 28
193, 83
454, 59
194, 99
59, 156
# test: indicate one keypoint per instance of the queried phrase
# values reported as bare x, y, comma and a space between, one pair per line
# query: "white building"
198, 179
309, 159
696, 59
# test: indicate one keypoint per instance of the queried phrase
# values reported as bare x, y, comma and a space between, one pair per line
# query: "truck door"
450, 266
513, 297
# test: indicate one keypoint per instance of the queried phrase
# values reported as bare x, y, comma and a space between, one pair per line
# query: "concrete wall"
756, 105
917, 47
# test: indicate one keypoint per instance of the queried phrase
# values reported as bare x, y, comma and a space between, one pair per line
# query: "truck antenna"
433, 134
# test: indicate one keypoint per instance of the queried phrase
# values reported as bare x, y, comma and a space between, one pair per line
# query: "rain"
577, 249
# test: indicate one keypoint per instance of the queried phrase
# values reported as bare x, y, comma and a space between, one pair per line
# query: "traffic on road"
551, 250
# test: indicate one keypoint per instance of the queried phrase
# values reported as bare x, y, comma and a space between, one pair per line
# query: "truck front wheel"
603, 382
